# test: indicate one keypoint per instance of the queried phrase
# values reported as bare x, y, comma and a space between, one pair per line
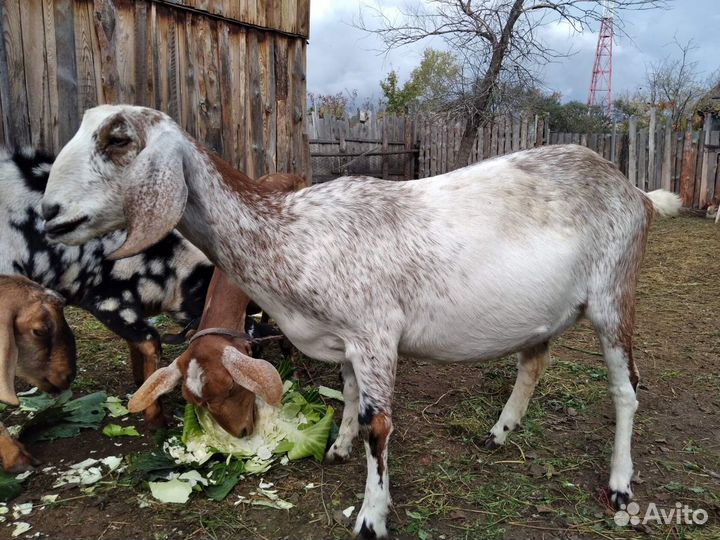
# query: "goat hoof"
619, 499
333, 457
491, 444
367, 533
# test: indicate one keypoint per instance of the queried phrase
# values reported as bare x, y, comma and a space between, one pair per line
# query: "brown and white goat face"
121, 166
219, 376
36, 343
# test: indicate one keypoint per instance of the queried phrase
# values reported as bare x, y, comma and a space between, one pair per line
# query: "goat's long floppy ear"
258, 376
8, 358
155, 197
160, 382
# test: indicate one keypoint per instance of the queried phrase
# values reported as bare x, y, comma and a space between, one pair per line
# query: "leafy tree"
398, 100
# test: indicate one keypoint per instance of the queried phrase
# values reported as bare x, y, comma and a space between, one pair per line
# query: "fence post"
385, 149
705, 161
613, 138
686, 192
666, 178
651, 149
409, 157
632, 150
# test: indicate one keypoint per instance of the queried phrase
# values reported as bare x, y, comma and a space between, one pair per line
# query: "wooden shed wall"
239, 88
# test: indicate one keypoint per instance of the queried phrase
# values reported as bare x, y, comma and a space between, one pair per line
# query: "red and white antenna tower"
601, 85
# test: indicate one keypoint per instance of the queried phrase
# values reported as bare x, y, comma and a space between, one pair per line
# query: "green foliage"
226, 475
576, 117
58, 417
435, 80
115, 430
9, 486
398, 100
429, 88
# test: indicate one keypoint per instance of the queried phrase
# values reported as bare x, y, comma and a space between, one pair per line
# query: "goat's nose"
49, 211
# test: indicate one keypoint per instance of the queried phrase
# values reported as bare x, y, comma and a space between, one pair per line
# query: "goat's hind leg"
531, 365
623, 379
613, 320
341, 448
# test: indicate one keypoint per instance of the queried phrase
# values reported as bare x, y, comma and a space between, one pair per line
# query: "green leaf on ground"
114, 430
10, 487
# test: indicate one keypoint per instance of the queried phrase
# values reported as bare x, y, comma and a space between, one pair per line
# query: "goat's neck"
236, 223
225, 304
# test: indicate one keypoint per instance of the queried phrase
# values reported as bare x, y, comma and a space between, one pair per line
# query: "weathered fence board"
652, 157
231, 72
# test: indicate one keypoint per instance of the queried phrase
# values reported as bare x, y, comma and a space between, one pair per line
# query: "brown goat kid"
37, 345
207, 382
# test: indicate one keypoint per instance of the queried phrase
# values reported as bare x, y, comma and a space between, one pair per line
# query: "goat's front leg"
375, 374
144, 357
125, 319
13, 454
531, 365
341, 448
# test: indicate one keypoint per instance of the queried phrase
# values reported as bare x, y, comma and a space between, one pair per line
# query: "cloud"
342, 57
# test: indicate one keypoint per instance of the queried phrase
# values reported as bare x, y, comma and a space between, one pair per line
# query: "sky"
342, 58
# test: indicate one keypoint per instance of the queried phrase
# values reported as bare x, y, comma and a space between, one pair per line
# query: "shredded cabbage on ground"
298, 429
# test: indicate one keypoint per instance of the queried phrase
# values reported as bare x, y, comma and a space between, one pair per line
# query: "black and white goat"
494, 258
170, 277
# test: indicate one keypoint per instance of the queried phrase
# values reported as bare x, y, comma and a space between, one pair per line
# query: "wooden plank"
35, 72
174, 81
68, 115
5, 98
642, 159
225, 75
50, 113
96, 57
705, 195
105, 19
688, 168
666, 172
515, 133
699, 151
282, 114
299, 105
385, 148
651, 148
141, 48
192, 75
409, 172
269, 101
161, 57
125, 50
13, 76
632, 151
255, 166
2, 115
156, 58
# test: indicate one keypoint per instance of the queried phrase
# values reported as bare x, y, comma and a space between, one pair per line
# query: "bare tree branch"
497, 40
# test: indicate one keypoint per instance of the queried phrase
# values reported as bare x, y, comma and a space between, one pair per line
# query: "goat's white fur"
496, 257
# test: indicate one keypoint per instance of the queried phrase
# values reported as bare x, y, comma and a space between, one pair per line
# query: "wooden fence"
382, 146
652, 157
231, 72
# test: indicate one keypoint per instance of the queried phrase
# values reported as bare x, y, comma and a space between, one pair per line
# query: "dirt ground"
547, 482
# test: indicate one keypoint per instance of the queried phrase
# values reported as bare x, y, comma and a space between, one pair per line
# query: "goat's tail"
666, 204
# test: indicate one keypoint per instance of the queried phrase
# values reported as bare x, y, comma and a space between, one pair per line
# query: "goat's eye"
118, 141
39, 332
